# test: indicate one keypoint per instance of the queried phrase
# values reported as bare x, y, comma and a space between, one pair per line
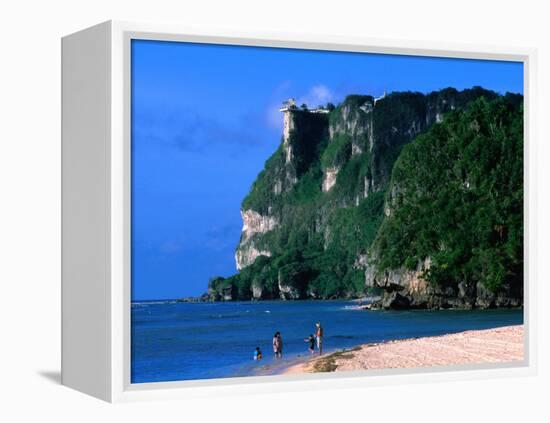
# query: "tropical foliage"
436, 176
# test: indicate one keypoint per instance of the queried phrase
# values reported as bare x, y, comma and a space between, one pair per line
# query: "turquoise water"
183, 341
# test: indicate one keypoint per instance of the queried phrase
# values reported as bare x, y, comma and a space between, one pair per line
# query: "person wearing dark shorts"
311, 341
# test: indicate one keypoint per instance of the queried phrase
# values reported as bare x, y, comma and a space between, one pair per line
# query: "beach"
189, 341
499, 345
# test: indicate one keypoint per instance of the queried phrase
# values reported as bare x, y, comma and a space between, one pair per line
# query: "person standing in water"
319, 335
311, 341
278, 345
257, 354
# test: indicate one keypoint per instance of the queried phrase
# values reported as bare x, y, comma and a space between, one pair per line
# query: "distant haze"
204, 120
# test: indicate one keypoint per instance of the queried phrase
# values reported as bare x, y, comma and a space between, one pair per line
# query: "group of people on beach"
312, 340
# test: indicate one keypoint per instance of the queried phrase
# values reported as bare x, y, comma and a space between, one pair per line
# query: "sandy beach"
499, 345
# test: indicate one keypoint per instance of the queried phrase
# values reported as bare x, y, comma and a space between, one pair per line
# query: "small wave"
267, 311
148, 303
352, 307
226, 316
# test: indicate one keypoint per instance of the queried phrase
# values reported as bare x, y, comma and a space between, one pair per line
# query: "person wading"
319, 335
311, 341
278, 345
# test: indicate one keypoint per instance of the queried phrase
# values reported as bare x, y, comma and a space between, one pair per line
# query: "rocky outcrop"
409, 289
374, 127
220, 290
410, 284
302, 132
504, 297
257, 290
292, 282
289, 125
254, 224
287, 291
354, 118
367, 187
247, 254
330, 178
395, 301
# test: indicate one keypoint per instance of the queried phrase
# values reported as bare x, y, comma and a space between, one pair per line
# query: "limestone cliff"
313, 214
452, 236
254, 224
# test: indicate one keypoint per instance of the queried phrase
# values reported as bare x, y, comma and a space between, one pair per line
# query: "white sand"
500, 345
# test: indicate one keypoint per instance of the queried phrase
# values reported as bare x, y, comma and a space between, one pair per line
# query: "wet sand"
499, 345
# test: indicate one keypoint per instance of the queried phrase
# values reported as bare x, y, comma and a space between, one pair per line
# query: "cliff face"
254, 224
452, 236
312, 216
303, 134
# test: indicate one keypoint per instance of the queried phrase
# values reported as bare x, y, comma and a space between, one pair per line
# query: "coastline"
498, 345
204, 299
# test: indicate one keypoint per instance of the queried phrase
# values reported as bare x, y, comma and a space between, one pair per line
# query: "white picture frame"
96, 212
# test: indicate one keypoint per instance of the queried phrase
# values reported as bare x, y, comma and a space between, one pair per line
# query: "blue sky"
205, 119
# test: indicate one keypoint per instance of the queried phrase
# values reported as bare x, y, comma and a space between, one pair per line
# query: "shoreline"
367, 302
258, 300
498, 345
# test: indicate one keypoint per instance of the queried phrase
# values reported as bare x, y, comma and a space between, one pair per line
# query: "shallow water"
182, 341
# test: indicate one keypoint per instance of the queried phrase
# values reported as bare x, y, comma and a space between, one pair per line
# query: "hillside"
418, 196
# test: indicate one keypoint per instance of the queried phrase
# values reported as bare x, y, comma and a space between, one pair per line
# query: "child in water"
311, 340
257, 354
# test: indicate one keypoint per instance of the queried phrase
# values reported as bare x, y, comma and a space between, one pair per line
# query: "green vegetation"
262, 195
457, 197
454, 190
337, 152
307, 141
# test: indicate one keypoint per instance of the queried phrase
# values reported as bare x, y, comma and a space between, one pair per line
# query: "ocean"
187, 341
